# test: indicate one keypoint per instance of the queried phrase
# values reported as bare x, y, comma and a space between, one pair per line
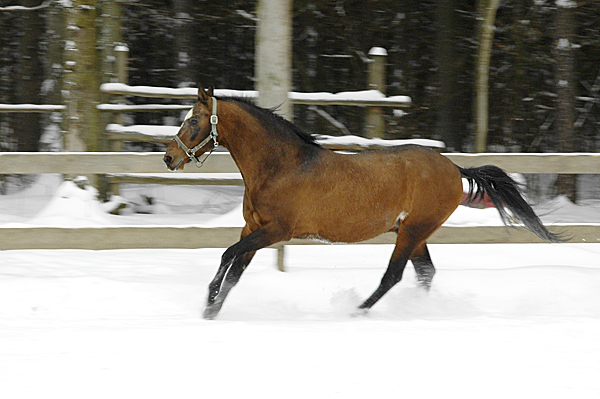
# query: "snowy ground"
501, 321
519, 321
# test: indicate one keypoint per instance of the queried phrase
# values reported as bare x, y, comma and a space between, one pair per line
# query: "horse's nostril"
168, 159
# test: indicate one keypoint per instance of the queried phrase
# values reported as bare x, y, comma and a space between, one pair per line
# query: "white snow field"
501, 321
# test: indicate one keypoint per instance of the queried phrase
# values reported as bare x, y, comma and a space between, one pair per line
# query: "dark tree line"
544, 72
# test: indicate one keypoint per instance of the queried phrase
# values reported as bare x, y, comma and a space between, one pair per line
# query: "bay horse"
294, 188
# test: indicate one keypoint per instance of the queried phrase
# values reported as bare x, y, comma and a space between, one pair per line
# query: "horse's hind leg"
423, 266
393, 274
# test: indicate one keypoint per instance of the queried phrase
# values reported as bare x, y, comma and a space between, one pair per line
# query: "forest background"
544, 78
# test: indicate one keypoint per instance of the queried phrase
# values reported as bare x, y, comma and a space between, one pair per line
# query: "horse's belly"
345, 229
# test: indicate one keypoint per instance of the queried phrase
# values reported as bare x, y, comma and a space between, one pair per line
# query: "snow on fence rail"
31, 108
364, 98
164, 135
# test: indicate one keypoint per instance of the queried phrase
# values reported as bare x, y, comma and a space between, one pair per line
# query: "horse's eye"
193, 122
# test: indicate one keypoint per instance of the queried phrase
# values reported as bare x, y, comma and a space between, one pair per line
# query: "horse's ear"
203, 95
211, 91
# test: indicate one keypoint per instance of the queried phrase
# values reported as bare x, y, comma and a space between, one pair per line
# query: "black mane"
270, 119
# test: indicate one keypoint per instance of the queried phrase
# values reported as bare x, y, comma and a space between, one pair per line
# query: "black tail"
503, 191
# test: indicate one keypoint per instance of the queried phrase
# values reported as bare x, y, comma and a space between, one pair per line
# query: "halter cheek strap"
191, 153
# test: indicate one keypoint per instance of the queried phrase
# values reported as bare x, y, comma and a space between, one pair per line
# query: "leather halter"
191, 153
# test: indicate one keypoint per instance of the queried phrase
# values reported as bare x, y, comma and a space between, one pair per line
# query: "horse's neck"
258, 153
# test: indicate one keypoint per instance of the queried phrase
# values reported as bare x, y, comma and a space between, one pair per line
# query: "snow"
351, 140
151, 130
121, 47
21, 8
378, 51
148, 107
501, 320
31, 107
566, 3
148, 90
349, 96
504, 321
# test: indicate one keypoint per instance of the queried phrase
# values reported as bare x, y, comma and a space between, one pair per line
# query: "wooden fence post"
280, 257
121, 52
121, 71
375, 120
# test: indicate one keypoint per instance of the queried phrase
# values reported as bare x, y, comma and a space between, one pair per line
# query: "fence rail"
151, 162
126, 237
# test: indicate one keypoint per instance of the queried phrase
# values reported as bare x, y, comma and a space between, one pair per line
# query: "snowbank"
72, 206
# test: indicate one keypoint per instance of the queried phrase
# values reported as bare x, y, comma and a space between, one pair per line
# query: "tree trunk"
82, 77
110, 38
55, 34
445, 54
487, 17
30, 76
273, 68
184, 33
565, 91
54, 66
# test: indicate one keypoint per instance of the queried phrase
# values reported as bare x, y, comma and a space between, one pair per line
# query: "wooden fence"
151, 162
198, 237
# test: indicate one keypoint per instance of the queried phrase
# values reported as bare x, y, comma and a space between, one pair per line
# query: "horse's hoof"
211, 312
360, 312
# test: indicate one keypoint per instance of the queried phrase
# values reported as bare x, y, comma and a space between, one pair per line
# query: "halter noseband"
191, 153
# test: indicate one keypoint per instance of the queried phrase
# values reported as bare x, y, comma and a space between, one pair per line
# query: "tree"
565, 91
185, 37
446, 129
274, 55
486, 11
31, 76
82, 77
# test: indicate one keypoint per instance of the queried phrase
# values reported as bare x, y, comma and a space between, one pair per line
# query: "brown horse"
297, 189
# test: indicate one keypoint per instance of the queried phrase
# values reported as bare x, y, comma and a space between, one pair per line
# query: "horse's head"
197, 134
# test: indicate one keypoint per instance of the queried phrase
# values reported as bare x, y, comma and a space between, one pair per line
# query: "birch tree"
273, 63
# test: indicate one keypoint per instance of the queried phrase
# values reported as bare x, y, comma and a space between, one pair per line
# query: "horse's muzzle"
169, 162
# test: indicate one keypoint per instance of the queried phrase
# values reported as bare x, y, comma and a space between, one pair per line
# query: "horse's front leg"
227, 276
235, 260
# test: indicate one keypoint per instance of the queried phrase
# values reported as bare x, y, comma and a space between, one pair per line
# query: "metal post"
375, 120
